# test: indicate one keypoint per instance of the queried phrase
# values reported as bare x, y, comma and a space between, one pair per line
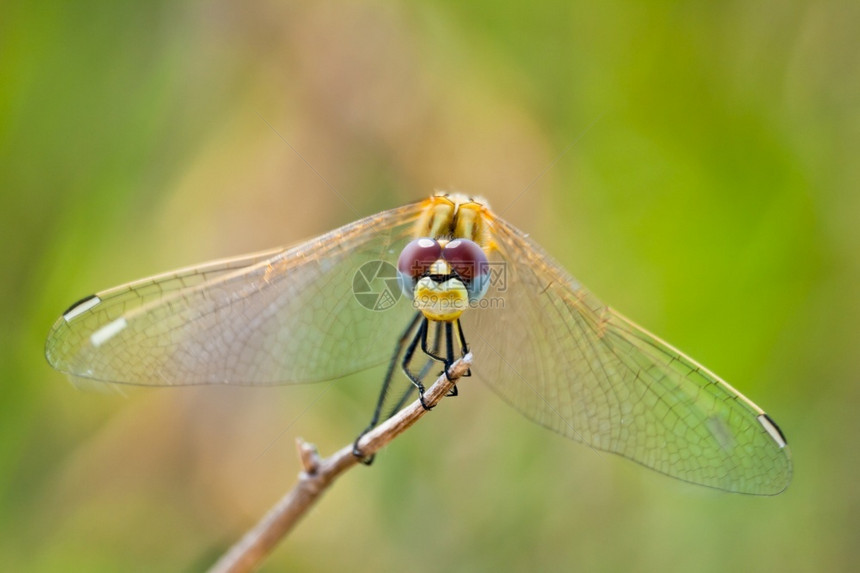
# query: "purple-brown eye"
417, 257
466, 258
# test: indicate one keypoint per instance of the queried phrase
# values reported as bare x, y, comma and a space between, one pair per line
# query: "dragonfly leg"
449, 352
464, 346
437, 334
386, 383
420, 336
433, 353
448, 359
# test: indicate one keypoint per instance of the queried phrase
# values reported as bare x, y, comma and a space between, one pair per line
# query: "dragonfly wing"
281, 316
555, 352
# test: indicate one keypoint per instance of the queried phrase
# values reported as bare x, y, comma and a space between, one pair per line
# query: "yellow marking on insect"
436, 218
472, 223
442, 302
455, 216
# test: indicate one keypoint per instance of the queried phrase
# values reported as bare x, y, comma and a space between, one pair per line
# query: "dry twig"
248, 553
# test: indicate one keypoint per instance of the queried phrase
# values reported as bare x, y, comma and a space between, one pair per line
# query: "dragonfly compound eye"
469, 262
418, 256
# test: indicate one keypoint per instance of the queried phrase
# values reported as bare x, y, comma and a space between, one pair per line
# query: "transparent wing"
281, 316
556, 353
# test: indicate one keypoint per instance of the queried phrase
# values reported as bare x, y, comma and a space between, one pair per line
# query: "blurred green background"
710, 191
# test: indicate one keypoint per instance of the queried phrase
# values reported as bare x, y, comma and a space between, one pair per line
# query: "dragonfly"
452, 276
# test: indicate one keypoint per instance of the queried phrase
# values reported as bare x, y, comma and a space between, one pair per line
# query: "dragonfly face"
541, 341
443, 277
446, 269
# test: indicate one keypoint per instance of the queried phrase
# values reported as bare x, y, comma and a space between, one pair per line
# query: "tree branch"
248, 553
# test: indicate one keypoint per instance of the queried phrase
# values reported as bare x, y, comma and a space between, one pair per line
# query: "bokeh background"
695, 164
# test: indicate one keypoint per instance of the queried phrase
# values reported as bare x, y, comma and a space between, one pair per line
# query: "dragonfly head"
443, 277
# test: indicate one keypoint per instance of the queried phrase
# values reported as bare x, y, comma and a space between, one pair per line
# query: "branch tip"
308, 455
